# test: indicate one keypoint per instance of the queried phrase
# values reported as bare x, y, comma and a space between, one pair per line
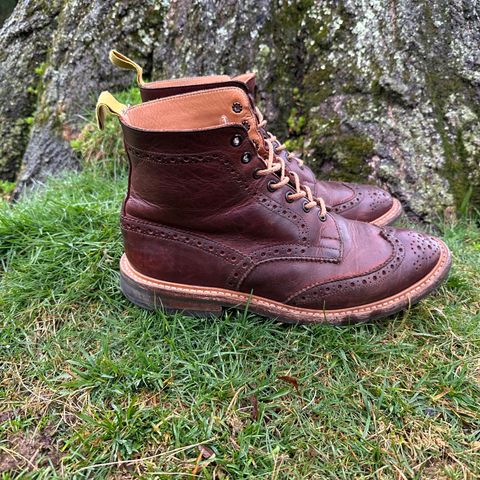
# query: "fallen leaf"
206, 451
290, 380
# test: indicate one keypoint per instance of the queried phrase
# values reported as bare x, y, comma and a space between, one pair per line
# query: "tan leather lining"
181, 82
244, 77
193, 111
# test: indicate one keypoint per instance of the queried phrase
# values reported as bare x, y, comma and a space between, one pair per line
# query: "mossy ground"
94, 387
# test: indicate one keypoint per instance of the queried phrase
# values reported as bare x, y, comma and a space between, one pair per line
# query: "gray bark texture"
384, 91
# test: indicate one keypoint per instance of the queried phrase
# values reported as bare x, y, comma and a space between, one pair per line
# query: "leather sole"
154, 294
390, 216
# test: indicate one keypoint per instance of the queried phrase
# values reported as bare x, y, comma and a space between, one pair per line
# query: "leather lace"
276, 164
262, 123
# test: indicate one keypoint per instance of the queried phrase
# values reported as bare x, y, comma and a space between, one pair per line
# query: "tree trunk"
386, 92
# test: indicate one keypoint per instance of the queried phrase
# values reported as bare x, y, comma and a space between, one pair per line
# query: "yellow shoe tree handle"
106, 104
120, 60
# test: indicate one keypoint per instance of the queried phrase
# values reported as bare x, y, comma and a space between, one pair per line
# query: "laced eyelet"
305, 208
270, 185
246, 124
323, 218
287, 197
236, 140
255, 173
246, 157
237, 107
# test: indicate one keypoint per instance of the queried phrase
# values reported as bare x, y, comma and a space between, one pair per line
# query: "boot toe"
414, 256
422, 253
373, 203
368, 204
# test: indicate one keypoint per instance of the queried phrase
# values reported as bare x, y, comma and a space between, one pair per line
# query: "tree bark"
384, 92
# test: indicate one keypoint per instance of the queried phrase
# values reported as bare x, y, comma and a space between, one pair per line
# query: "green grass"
94, 387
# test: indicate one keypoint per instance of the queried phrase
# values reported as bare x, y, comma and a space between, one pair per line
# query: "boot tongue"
249, 80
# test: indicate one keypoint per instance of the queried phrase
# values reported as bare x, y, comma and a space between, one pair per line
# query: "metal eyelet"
287, 197
246, 157
255, 173
323, 218
305, 208
270, 185
236, 140
237, 107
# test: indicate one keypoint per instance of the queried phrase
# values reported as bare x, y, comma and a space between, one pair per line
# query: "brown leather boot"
212, 220
351, 200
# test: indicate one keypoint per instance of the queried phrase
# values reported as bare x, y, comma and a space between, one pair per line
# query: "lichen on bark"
403, 76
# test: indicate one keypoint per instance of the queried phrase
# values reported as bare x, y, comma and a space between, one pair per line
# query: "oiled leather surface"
351, 200
195, 214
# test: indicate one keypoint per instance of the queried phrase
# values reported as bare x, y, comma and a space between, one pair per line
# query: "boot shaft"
168, 88
150, 91
190, 156
194, 166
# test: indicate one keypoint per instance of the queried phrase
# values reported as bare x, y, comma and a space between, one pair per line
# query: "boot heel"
152, 299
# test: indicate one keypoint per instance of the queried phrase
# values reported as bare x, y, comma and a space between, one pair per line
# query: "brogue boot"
213, 219
356, 201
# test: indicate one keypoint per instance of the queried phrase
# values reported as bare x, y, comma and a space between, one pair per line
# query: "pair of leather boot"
218, 214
